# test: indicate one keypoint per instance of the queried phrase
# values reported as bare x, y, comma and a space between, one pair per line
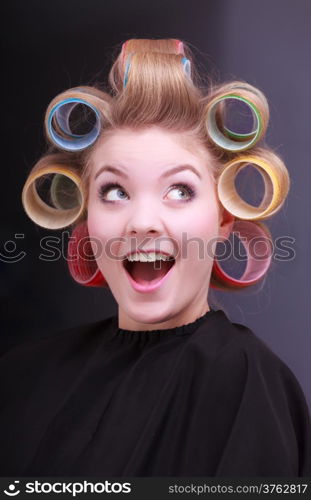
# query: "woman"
168, 386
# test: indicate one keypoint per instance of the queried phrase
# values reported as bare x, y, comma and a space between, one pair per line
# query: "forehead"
152, 147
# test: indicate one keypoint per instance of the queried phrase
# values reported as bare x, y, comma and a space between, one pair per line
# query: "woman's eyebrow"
171, 171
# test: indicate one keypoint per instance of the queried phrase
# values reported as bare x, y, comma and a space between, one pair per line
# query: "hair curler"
256, 240
275, 181
80, 258
217, 109
57, 118
66, 195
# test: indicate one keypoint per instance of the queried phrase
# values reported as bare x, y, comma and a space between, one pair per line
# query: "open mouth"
146, 273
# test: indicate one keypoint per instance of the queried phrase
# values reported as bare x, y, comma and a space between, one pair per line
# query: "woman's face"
155, 208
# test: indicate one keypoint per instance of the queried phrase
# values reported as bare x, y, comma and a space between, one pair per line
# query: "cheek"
100, 227
98, 222
197, 232
103, 231
203, 221
94, 221
93, 225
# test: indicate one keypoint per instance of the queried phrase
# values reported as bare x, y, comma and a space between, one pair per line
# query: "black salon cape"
205, 399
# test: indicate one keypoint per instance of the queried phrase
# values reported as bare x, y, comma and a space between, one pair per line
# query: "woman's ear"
226, 221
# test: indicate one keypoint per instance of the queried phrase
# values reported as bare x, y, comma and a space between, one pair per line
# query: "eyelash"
106, 187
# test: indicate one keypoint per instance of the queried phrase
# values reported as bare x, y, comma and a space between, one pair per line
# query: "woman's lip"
148, 288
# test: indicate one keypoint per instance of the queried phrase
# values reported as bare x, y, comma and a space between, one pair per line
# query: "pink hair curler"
80, 258
180, 47
123, 51
256, 239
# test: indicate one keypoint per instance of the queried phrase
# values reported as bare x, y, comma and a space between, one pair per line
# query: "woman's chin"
144, 318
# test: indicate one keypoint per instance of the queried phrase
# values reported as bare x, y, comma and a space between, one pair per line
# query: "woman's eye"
111, 188
186, 191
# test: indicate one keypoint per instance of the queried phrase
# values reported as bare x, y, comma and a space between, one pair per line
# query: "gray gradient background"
51, 46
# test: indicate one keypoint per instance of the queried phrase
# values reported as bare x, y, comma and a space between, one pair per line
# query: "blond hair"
155, 83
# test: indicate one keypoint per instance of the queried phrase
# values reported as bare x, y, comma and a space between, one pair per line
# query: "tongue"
145, 272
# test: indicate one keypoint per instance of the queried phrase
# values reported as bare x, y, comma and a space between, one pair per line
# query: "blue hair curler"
62, 115
127, 68
74, 142
187, 66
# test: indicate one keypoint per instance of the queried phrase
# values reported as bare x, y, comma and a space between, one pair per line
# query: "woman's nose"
144, 218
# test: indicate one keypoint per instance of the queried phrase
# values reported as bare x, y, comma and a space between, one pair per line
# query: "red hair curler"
80, 258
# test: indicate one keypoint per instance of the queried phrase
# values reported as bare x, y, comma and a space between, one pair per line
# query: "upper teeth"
148, 257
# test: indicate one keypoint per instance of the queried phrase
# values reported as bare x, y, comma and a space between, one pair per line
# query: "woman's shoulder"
221, 338
233, 351
45, 364
267, 406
